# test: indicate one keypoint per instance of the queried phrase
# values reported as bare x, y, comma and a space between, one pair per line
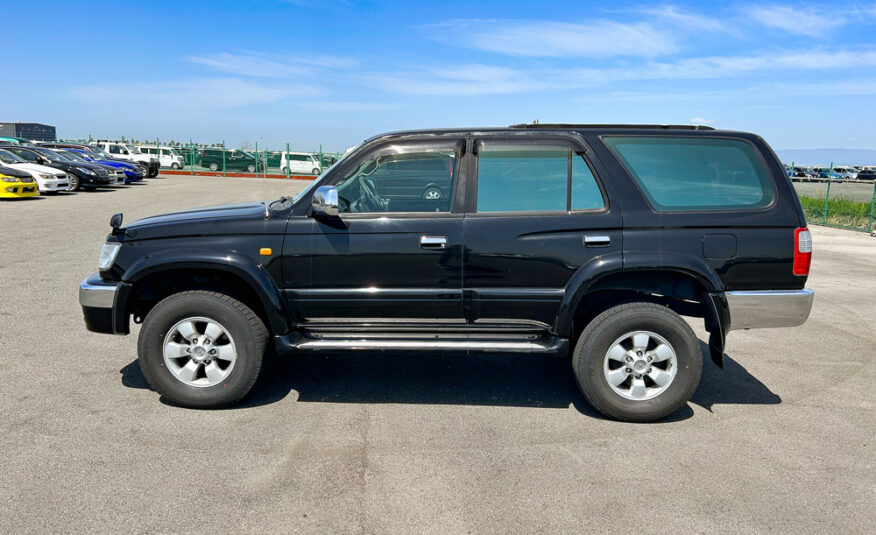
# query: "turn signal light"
266, 251
802, 251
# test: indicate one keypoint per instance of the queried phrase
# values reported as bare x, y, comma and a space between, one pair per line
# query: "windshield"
100, 152
132, 149
8, 157
173, 152
75, 156
52, 155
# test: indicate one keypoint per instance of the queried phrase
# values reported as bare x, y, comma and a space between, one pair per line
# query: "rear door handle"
433, 242
597, 241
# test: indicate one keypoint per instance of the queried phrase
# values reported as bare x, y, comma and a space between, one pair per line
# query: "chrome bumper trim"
764, 309
97, 294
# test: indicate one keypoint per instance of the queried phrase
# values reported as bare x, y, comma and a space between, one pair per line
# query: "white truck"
127, 151
299, 162
167, 156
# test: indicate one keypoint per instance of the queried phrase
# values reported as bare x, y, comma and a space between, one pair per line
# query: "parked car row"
852, 172
217, 159
27, 169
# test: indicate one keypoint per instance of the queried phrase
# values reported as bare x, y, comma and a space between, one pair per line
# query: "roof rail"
629, 126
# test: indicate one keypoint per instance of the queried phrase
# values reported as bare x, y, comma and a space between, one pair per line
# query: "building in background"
31, 131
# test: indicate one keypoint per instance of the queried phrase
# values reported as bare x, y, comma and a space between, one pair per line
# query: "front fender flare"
233, 263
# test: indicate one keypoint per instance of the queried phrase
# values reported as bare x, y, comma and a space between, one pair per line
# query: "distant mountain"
825, 156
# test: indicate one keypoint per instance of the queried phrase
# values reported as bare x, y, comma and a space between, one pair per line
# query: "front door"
538, 214
389, 257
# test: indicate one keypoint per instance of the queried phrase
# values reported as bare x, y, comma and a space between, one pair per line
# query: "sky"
334, 72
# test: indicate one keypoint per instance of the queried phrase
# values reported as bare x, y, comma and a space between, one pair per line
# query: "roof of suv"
546, 126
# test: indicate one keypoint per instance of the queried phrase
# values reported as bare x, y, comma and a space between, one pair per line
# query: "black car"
98, 153
866, 174
82, 174
234, 160
589, 240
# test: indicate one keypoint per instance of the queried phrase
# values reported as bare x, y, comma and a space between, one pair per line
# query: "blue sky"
803, 75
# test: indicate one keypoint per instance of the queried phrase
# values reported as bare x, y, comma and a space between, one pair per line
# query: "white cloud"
699, 121
200, 93
595, 39
340, 106
799, 21
685, 20
261, 66
484, 79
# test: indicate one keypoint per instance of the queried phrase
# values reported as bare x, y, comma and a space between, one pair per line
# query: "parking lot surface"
781, 441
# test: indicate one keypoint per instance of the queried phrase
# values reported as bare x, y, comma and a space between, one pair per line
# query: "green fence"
845, 204
255, 160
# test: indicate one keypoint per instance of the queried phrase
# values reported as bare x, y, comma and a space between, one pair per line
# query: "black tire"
247, 330
600, 335
174, 165
314, 171
250, 168
285, 170
74, 182
214, 166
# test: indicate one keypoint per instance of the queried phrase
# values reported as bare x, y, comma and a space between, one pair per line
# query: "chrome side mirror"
325, 201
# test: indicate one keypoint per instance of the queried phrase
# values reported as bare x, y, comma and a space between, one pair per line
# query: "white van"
299, 162
167, 156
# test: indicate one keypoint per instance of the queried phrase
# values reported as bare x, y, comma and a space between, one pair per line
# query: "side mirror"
325, 201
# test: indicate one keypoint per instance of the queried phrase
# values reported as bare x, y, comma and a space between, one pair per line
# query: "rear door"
537, 212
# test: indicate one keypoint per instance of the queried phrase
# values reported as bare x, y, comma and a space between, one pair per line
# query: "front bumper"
764, 309
101, 303
13, 190
53, 184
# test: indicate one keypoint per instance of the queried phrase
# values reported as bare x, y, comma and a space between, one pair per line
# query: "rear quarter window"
695, 174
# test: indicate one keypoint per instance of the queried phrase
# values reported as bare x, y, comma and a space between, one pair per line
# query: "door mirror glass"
325, 201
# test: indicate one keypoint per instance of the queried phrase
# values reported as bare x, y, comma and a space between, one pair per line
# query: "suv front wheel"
637, 362
202, 349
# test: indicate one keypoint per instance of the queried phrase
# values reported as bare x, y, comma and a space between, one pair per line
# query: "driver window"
402, 178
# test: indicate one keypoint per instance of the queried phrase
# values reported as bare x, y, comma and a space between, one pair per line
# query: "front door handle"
433, 242
597, 241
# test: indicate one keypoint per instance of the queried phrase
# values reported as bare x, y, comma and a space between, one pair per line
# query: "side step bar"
292, 342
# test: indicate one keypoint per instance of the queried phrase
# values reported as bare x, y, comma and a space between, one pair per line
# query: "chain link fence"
845, 204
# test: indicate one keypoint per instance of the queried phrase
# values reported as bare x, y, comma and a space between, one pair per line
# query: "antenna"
267, 215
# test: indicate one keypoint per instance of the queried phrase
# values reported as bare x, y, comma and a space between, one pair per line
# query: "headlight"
108, 255
9, 179
85, 170
44, 175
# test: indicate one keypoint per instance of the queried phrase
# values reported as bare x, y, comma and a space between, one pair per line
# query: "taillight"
802, 251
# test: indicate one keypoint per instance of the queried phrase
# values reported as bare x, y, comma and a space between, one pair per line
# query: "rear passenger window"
514, 177
684, 173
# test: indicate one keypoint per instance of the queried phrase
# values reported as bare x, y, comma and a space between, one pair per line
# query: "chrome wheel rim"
199, 352
432, 194
640, 365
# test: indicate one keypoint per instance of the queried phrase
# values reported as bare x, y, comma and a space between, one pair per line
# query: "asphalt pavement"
780, 441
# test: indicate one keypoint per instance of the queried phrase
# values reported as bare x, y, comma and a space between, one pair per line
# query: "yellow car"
17, 186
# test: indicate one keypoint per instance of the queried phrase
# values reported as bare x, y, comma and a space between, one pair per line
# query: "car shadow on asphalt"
459, 379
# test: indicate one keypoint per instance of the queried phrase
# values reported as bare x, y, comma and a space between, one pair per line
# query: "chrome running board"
290, 343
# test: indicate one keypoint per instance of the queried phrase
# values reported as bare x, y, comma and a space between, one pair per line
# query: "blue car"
133, 172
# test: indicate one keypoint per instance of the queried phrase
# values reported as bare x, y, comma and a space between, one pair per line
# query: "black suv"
589, 240
234, 160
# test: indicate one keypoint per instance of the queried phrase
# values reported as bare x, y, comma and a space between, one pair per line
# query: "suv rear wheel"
637, 362
202, 349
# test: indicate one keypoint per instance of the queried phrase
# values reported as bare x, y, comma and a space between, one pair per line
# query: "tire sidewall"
590, 353
151, 351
